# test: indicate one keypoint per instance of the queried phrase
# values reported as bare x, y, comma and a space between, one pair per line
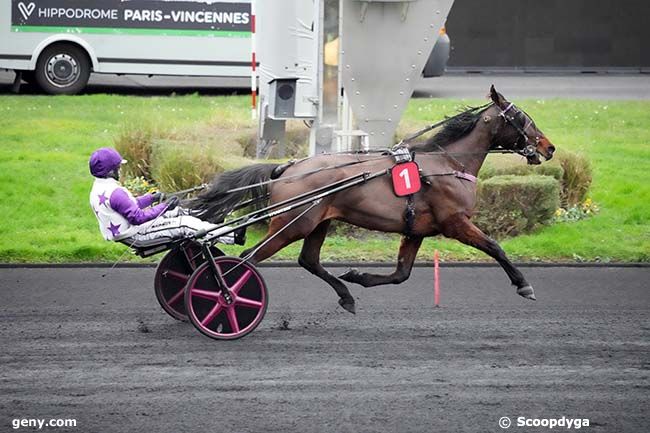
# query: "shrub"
177, 158
177, 165
134, 142
571, 169
510, 205
576, 180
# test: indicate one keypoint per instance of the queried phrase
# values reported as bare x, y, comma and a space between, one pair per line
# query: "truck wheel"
62, 69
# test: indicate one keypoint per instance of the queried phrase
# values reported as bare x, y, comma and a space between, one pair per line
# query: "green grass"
44, 182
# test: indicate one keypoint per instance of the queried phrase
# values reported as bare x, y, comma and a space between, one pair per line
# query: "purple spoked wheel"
208, 309
172, 274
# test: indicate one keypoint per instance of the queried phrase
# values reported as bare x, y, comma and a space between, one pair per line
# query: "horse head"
517, 131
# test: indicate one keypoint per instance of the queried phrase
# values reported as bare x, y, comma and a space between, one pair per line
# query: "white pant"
175, 224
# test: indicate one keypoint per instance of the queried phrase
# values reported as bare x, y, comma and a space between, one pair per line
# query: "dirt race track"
101, 351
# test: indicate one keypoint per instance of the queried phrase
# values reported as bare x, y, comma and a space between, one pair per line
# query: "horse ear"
494, 95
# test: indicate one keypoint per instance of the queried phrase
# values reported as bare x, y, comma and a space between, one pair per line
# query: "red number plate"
406, 178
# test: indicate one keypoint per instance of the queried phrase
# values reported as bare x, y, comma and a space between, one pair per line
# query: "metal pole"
253, 63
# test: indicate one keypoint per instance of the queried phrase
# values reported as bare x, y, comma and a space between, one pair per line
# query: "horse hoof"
527, 292
348, 305
350, 276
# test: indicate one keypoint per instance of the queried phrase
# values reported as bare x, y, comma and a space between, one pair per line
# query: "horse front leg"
459, 227
408, 250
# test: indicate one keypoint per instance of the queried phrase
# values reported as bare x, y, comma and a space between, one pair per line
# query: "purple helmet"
105, 160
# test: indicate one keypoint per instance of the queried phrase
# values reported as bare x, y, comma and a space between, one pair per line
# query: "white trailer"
58, 43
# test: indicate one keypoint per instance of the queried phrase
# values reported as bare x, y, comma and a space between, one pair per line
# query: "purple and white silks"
120, 215
136, 211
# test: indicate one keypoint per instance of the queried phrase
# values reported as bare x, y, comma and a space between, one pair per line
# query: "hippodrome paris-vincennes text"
137, 15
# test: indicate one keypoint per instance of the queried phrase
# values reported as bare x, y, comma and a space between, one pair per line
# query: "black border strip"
14, 57
172, 62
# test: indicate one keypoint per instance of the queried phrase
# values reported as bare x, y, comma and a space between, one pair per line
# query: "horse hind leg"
309, 256
310, 259
408, 250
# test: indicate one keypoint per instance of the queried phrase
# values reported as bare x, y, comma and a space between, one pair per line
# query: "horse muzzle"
545, 148
550, 150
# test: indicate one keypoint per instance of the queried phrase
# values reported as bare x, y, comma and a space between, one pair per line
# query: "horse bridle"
526, 149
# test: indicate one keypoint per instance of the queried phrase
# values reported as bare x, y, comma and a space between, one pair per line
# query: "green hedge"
572, 170
510, 205
510, 166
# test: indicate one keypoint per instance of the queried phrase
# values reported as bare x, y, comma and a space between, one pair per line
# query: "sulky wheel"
211, 313
173, 272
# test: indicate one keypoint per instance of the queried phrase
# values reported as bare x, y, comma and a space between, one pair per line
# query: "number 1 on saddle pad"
406, 178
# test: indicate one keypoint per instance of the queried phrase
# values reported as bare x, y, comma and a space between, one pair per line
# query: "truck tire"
62, 69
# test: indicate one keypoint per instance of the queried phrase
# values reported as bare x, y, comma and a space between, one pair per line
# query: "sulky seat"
147, 248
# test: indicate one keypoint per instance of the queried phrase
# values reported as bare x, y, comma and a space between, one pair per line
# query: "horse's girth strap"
409, 215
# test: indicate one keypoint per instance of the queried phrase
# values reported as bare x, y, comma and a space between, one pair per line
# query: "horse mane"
455, 128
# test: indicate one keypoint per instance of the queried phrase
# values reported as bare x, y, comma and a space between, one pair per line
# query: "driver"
122, 216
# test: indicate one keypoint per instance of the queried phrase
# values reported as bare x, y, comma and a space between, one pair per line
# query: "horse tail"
219, 200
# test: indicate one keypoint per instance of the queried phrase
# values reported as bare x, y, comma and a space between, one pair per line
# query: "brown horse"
449, 162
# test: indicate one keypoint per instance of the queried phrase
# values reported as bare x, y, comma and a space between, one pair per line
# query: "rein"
443, 151
189, 190
436, 125
527, 150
